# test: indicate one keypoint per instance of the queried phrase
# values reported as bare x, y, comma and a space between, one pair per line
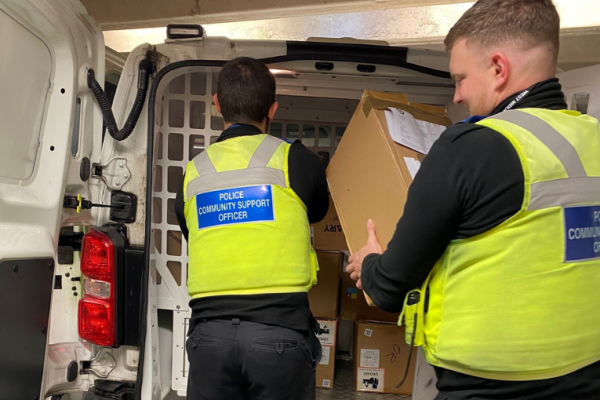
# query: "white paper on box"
327, 335
326, 383
370, 379
412, 165
411, 132
369, 358
368, 332
325, 355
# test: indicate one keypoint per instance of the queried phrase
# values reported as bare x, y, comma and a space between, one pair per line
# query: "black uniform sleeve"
179, 211
308, 181
470, 182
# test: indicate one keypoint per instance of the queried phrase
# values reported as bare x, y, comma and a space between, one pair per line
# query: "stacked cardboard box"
381, 359
329, 240
329, 234
323, 297
328, 338
324, 304
354, 307
369, 177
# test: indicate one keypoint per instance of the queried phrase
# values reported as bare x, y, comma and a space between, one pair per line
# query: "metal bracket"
115, 173
103, 363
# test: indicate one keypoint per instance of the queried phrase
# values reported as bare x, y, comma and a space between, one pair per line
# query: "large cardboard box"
323, 297
381, 358
370, 173
328, 338
354, 307
328, 234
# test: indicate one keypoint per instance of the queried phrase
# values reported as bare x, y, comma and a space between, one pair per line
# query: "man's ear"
272, 110
217, 105
501, 68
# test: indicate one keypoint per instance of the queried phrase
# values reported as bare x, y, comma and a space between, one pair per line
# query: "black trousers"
583, 384
233, 359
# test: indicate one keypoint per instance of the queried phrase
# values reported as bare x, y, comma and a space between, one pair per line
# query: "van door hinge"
101, 365
114, 174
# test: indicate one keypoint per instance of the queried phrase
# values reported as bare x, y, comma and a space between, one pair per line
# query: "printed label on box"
325, 355
352, 293
370, 379
326, 383
368, 332
327, 334
333, 228
369, 358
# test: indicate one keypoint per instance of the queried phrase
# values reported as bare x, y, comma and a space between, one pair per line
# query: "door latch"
79, 203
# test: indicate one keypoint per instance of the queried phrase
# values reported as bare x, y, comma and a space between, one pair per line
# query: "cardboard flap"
439, 110
379, 100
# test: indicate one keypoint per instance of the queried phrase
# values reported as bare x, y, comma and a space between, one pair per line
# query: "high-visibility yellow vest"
248, 230
522, 300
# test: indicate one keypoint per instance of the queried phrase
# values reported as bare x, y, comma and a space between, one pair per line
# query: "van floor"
343, 388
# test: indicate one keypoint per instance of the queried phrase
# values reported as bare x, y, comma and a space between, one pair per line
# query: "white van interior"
317, 98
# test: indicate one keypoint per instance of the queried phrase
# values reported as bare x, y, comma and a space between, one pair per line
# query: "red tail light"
98, 256
97, 319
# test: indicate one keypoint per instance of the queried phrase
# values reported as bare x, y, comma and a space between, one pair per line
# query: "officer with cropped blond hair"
499, 230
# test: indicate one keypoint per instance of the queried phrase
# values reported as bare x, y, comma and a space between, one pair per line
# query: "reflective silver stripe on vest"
564, 192
236, 178
264, 152
578, 188
257, 172
203, 164
550, 137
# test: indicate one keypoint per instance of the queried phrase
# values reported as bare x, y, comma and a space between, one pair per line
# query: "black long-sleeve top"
470, 182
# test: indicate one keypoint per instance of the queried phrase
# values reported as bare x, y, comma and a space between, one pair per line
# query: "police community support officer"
501, 229
247, 202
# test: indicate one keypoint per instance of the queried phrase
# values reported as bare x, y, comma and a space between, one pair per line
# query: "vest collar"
237, 130
545, 94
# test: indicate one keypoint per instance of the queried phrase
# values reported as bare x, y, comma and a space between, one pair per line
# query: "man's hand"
356, 259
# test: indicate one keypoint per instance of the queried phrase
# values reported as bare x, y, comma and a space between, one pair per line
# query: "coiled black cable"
146, 68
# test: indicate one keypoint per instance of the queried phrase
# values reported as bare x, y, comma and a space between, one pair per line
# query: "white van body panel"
45, 99
582, 86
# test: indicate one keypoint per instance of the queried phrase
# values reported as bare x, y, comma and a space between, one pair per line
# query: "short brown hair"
246, 91
526, 22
